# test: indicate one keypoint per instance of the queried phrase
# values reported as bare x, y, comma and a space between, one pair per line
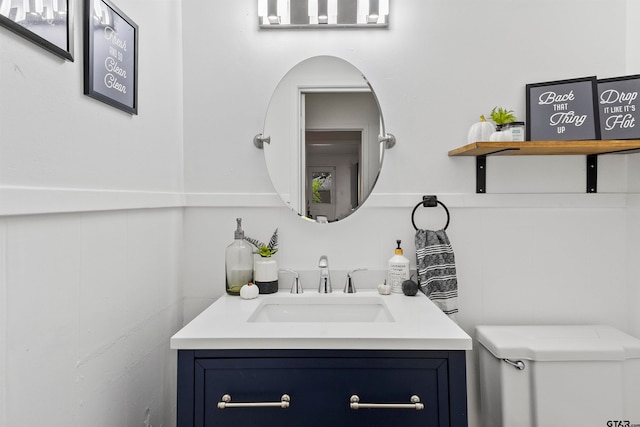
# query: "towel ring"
430, 202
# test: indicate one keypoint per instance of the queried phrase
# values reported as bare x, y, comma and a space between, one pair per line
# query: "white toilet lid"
558, 342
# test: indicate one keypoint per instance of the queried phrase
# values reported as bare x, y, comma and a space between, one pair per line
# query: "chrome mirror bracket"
389, 140
259, 141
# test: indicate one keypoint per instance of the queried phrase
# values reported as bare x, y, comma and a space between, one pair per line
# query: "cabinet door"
320, 390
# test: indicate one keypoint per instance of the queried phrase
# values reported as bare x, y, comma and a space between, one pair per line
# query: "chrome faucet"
325, 279
296, 287
349, 286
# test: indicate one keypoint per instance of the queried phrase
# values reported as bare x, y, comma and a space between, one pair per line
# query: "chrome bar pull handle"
354, 403
226, 403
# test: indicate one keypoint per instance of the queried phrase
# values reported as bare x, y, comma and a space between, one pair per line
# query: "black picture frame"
563, 110
110, 55
50, 27
619, 107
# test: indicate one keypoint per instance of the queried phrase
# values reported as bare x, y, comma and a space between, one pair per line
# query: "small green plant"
501, 115
267, 250
315, 189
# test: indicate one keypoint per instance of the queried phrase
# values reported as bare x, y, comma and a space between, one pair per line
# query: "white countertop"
417, 325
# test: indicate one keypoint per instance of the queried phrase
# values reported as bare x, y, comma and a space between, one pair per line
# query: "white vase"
266, 275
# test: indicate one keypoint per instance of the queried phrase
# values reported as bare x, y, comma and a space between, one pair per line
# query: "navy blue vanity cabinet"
320, 385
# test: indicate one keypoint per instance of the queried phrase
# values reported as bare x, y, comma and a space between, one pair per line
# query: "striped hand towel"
437, 270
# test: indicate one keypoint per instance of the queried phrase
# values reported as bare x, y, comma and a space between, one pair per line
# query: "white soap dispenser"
238, 262
398, 270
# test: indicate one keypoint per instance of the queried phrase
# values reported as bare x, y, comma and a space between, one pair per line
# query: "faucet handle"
349, 287
324, 262
296, 287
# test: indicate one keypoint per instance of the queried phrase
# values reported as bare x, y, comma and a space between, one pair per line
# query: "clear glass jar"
515, 129
238, 262
238, 266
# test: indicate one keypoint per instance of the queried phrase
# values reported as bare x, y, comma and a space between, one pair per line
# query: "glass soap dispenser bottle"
238, 262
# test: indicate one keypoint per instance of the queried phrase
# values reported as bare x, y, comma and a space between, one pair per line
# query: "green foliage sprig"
267, 250
501, 115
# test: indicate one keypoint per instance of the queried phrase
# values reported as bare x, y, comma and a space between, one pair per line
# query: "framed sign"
619, 107
48, 23
563, 110
110, 56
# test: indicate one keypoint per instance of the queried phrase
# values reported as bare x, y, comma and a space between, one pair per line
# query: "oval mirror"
324, 139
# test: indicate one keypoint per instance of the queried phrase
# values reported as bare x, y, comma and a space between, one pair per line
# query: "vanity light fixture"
323, 13
273, 12
31, 12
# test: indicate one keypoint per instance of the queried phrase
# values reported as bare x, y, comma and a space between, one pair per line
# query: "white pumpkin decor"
249, 291
501, 136
384, 289
480, 131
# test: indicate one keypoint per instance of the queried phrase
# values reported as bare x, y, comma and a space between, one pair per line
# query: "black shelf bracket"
481, 174
592, 168
592, 173
481, 169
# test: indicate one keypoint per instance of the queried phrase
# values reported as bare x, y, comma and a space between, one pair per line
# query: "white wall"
90, 287
92, 299
433, 67
535, 250
633, 239
54, 136
92, 225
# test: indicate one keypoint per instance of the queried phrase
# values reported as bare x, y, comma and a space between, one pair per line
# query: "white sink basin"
371, 309
365, 320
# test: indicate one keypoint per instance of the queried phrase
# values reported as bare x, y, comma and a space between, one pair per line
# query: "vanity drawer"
320, 390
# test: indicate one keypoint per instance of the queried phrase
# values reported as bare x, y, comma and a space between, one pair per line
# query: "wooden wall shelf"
591, 148
545, 148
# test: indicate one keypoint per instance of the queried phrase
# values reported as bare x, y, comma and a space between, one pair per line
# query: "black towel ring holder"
430, 202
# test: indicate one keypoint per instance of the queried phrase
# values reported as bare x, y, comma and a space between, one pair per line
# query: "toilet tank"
547, 376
